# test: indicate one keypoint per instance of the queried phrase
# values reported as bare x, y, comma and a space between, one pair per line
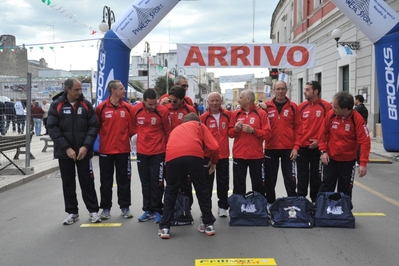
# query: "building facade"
300, 21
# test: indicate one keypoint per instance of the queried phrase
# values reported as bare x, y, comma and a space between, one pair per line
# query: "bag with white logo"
333, 209
248, 209
296, 212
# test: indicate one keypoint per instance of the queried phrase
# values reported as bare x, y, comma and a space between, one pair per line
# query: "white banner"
236, 78
140, 19
246, 55
375, 18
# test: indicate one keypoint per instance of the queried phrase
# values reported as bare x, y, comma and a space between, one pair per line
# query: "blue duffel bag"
334, 209
248, 210
294, 212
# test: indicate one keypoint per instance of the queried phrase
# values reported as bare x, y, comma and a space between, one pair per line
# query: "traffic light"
274, 73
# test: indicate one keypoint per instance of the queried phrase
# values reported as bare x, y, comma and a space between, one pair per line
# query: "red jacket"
340, 136
189, 139
153, 128
176, 116
187, 100
312, 116
286, 126
115, 127
247, 145
219, 132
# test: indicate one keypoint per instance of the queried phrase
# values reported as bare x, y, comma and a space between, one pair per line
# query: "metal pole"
28, 116
167, 82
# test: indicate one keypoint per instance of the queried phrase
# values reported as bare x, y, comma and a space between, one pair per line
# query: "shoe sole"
222, 215
165, 236
105, 217
210, 233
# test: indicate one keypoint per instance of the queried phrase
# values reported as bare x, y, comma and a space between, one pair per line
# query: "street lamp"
147, 54
108, 19
167, 80
337, 34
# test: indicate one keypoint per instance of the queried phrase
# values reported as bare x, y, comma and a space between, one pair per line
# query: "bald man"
249, 127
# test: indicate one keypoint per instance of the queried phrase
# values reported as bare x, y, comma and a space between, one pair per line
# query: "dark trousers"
176, 171
86, 181
309, 169
122, 164
256, 172
272, 162
341, 172
10, 119
222, 180
2, 125
151, 172
21, 123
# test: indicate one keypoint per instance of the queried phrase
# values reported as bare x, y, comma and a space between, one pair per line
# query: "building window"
143, 73
300, 90
317, 3
345, 78
299, 10
317, 77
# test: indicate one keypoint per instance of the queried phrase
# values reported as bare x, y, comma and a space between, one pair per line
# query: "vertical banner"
387, 59
126, 32
380, 23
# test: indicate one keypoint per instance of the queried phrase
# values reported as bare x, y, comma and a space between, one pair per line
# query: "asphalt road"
32, 232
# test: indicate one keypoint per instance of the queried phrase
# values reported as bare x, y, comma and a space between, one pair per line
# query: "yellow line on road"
378, 194
369, 214
236, 261
102, 225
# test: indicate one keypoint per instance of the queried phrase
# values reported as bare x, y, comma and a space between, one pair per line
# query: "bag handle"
249, 194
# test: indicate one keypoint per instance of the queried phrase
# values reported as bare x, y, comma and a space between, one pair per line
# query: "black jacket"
363, 111
72, 126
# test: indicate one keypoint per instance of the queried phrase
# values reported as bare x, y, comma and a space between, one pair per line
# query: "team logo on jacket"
224, 125
347, 127
252, 120
286, 112
80, 110
180, 115
122, 113
305, 114
153, 120
67, 111
318, 113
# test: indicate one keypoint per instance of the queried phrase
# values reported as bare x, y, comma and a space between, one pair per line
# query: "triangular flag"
93, 32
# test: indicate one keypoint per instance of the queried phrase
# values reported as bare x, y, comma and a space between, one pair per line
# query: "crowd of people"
315, 143
14, 114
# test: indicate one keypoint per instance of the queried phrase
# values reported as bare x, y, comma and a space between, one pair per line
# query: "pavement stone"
44, 164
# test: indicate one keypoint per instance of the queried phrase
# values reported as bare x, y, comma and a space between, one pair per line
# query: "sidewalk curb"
29, 178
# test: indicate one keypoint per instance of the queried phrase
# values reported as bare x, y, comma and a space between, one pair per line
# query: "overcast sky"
67, 23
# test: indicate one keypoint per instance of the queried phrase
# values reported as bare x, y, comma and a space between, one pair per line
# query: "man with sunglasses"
177, 110
181, 82
312, 112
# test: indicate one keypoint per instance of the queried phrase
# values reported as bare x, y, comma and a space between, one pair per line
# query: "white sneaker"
222, 212
94, 217
164, 233
71, 219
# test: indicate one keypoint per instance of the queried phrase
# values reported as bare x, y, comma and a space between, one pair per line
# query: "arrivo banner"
246, 55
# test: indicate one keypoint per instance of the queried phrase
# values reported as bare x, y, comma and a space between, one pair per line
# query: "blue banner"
387, 60
113, 63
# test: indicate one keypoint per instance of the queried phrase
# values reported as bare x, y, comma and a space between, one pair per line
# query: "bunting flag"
61, 10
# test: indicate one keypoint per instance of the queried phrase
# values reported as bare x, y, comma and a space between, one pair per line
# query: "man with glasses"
151, 121
342, 131
312, 113
181, 82
116, 129
285, 122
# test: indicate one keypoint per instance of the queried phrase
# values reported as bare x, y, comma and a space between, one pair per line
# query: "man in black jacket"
359, 106
72, 125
